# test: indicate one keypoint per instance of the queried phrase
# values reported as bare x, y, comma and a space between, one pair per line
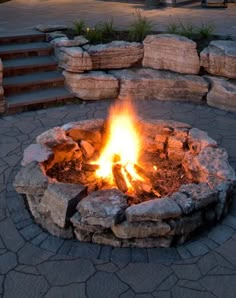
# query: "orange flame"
123, 141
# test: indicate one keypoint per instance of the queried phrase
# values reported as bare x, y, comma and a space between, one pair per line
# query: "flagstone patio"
36, 264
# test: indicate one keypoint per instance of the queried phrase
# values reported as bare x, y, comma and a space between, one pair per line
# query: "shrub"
140, 28
173, 28
206, 30
79, 27
94, 35
107, 28
188, 30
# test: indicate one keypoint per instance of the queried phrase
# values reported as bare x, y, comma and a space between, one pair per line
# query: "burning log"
89, 167
119, 178
143, 173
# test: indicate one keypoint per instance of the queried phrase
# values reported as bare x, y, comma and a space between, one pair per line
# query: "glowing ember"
122, 146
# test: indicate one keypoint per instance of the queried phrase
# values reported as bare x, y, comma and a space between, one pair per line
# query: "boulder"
36, 152
88, 130
219, 58
50, 27
61, 199
74, 59
222, 94
94, 85
126, 230
145, 83
171, 52
56, 137
55, 34
200, 194
214, 162
64, 41
153, 210
199, 139
31, 180
116, 54
102, 207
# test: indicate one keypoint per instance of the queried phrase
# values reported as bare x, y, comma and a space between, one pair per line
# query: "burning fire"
122, 147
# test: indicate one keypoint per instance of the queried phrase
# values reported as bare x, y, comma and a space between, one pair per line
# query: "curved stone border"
158, 222
223, 233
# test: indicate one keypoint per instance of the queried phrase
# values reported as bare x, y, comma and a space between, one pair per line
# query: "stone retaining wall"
2, 100
164, 67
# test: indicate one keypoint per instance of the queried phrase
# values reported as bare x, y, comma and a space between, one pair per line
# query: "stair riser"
29, 53
10, 90
22, 39
8, 72
47, 102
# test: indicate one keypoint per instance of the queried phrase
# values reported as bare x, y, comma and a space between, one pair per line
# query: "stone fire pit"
105, 216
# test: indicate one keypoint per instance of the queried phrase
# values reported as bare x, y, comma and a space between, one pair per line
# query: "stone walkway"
23, 15
35, 264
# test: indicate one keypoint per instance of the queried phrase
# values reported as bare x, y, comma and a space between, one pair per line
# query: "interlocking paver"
7, 262
112, 287
196, 269
19, 284
65, 272
72, 291
144, 278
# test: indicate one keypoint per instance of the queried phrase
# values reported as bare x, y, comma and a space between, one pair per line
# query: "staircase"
30, 75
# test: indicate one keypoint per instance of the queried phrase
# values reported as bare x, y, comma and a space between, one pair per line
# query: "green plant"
79, 27
94, 35
108, 28
206, 30
173, 28
140, 28
187, 30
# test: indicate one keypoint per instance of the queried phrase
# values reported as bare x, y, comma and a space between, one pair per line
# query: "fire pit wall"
163, 67
103, 216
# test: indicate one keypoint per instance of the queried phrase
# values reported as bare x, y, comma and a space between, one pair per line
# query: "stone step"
12, 51
21, 66
37, 98
30, 82
22, 38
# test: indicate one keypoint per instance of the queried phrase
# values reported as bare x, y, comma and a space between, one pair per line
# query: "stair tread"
37, 77
46, 95
29, 61
14, 48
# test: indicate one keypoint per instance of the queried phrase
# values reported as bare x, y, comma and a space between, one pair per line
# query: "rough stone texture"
74, 59
171, 52
87, 149
31, 180
61, 199
153, 210
52, 137
64, 41
93, 85
145, 83
214, 162
102, 207
54, 34
222, 94
219, 58
185, 203
199, 139
36, 152
50, 27
201, 194
127, 230
89, 130
116, 54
